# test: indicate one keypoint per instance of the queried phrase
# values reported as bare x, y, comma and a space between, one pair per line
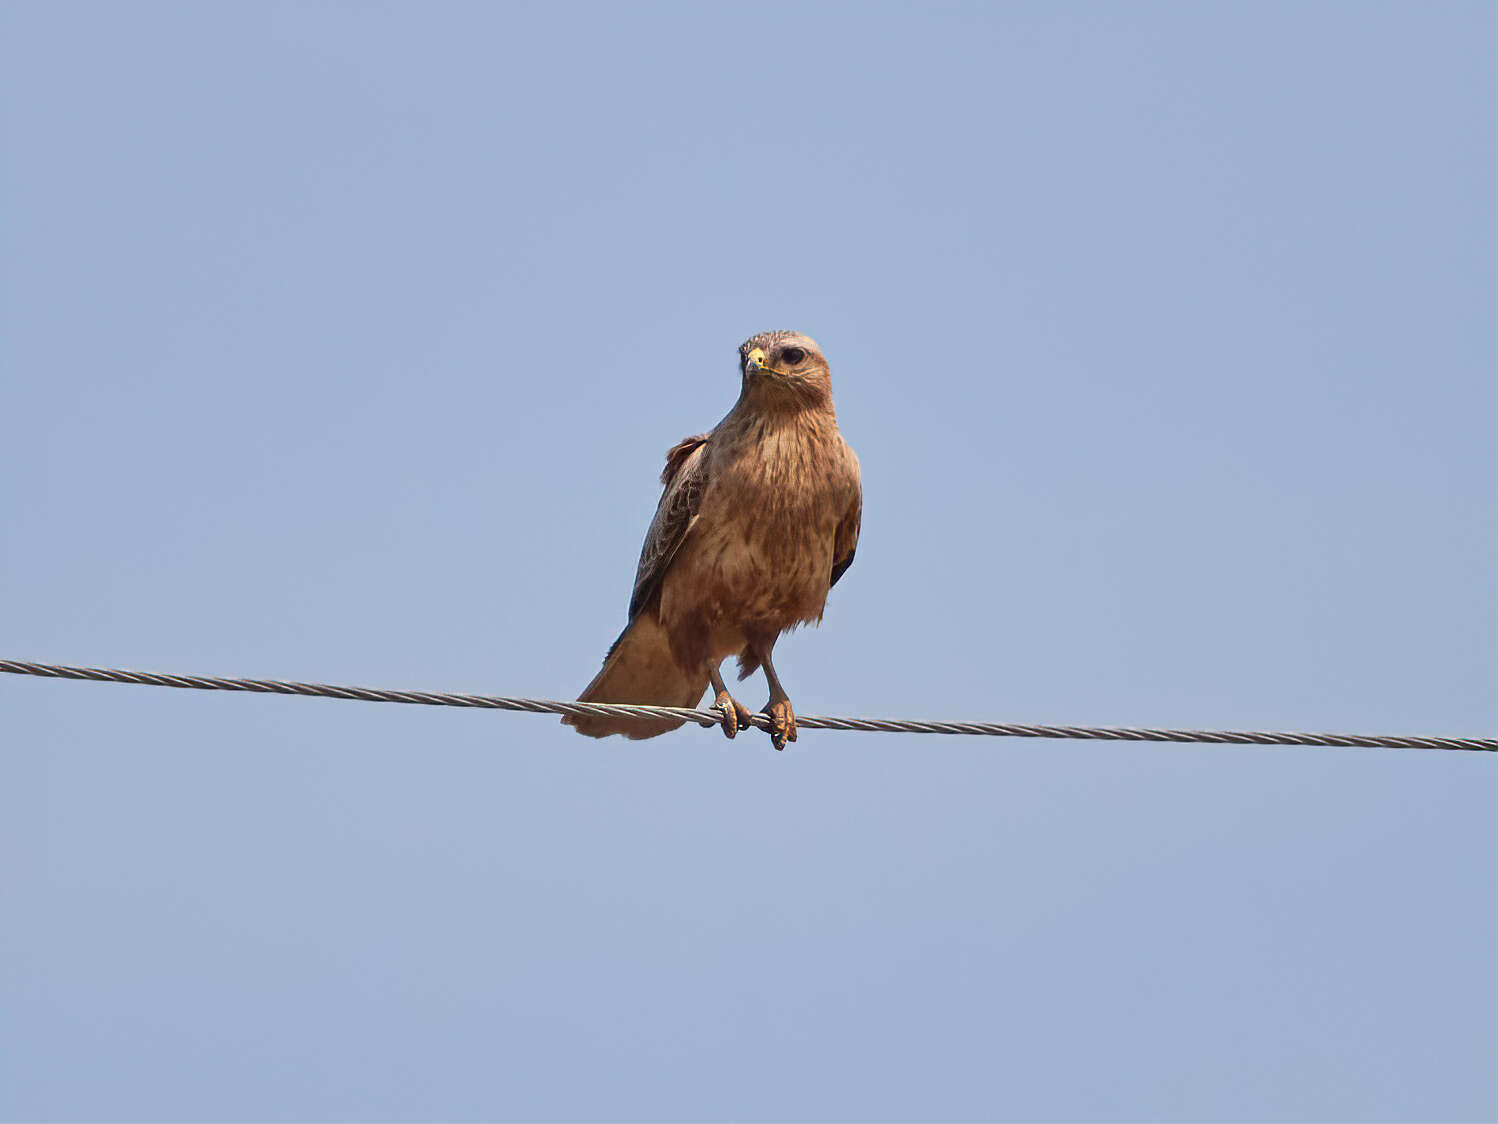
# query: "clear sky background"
344, 341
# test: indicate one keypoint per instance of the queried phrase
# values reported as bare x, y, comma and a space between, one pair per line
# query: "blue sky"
343, 342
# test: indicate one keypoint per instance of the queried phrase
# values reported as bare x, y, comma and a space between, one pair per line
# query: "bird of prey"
757, 521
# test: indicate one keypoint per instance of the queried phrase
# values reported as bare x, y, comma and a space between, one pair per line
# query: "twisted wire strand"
711, 717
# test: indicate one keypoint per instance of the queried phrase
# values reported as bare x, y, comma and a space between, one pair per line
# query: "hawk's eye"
793, 355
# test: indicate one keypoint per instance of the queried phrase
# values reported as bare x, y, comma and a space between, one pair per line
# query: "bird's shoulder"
849, 462
680, 454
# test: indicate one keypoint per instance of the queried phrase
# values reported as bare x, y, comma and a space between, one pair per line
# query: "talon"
735, 715
782, 723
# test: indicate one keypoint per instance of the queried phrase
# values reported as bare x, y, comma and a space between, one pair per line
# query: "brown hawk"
757, 521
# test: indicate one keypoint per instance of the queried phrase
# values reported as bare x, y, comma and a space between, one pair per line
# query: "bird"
758, 519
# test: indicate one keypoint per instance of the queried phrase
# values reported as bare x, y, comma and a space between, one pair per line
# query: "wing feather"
845, 539
685, 478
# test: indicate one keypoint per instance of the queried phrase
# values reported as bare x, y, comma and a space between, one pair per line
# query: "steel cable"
712, 717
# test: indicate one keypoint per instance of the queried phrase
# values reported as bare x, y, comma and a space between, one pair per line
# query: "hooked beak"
754, 362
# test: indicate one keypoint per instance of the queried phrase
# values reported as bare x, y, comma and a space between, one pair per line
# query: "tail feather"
639, 669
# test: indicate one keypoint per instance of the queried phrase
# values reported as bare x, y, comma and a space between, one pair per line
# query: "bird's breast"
762, 555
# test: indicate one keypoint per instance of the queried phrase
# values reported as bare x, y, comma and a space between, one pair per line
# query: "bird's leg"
782, 717
735, 714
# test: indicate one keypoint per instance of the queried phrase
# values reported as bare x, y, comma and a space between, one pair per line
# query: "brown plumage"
758, 520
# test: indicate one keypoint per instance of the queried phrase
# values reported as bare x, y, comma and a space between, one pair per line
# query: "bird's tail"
639, 669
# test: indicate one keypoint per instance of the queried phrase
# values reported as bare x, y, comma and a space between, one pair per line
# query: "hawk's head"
780, 363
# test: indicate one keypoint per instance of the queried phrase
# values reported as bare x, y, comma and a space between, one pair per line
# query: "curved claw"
735, 714
782, 722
